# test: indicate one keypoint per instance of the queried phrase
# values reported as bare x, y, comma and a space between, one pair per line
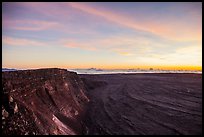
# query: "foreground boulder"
43, 101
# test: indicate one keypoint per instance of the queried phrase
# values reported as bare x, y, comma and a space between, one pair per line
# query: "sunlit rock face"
43, 101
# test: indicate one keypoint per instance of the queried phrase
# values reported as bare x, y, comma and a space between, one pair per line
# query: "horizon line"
98, 68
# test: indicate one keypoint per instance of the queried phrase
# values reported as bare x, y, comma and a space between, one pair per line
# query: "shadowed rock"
35, 102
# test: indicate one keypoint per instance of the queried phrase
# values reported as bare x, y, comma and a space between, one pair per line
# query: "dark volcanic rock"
144, 104
42, 101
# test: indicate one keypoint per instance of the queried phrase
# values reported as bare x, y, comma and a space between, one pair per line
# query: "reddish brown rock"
42, 101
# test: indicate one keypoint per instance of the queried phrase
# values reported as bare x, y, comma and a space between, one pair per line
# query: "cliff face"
43, 101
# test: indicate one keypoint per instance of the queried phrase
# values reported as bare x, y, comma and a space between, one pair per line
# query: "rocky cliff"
43, 101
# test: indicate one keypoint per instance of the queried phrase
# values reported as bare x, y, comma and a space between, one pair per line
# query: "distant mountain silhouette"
8, 69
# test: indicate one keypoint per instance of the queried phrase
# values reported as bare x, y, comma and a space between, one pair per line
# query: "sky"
106, 35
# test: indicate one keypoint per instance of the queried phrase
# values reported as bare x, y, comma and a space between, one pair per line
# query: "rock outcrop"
43, 101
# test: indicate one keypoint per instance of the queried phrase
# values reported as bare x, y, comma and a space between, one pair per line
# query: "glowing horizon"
187, 68
102, 35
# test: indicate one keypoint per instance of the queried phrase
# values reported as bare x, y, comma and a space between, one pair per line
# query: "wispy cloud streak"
30, 25
166, 30
21, 42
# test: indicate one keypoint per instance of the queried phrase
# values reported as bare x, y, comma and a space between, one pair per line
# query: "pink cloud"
64, 11
166, 30
21, 42
122, 45
30, 25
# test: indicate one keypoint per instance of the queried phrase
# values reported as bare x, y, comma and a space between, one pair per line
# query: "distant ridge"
8, 69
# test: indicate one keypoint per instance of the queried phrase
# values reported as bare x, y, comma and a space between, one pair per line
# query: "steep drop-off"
43, 101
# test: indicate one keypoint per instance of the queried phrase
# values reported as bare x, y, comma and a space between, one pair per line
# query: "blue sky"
102, 35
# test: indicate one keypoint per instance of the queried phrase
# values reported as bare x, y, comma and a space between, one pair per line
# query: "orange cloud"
126, 54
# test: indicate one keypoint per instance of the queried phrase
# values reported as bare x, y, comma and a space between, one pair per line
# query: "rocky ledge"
43, 101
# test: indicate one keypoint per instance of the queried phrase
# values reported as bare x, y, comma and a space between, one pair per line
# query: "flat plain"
144, 104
